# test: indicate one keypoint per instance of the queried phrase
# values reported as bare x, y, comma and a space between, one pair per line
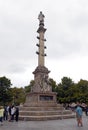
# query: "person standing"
79, 113
86, 110
5, 112
1, 114
9, 112
13, 109
17, 114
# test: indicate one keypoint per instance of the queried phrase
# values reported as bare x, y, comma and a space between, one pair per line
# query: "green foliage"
66, 82
53, 84
83, 86
18, 95
28, 88
67, 91
5, 85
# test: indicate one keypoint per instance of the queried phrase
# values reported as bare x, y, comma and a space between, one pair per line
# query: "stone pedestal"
41, 93
40, 99
41, 102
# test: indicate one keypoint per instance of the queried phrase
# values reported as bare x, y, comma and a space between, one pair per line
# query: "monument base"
43, 106
36, 113
40, 99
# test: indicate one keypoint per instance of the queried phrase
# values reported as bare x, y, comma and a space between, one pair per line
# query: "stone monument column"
41, 92
41, 102
41, 72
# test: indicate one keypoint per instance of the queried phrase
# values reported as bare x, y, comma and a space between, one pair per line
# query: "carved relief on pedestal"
42, 84
41, 79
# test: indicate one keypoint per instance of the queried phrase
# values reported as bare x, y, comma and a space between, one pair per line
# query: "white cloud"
67, 42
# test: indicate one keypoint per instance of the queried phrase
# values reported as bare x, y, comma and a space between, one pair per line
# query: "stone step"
43, 113
41, 108
47, 117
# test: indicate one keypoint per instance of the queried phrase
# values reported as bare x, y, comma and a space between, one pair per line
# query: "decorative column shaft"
41, 47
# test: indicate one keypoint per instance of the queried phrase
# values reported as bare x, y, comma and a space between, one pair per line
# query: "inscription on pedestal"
46, 98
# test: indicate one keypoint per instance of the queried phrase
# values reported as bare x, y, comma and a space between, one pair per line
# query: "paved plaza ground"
64, 124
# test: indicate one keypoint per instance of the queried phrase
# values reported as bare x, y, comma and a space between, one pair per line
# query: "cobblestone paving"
64, 124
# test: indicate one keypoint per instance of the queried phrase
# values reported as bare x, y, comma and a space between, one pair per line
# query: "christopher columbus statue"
41, 17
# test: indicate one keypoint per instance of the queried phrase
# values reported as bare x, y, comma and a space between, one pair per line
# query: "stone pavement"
64, 124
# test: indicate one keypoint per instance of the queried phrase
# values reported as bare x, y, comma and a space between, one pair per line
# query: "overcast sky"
67, 39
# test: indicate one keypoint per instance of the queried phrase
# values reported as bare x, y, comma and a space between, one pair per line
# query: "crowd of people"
78, 108
73, 105
9, 113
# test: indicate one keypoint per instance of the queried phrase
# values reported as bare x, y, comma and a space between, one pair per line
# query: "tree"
28, 88
66, 83
83, 85
82, 93
64, 93
5, 85
18, 95
53, 84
